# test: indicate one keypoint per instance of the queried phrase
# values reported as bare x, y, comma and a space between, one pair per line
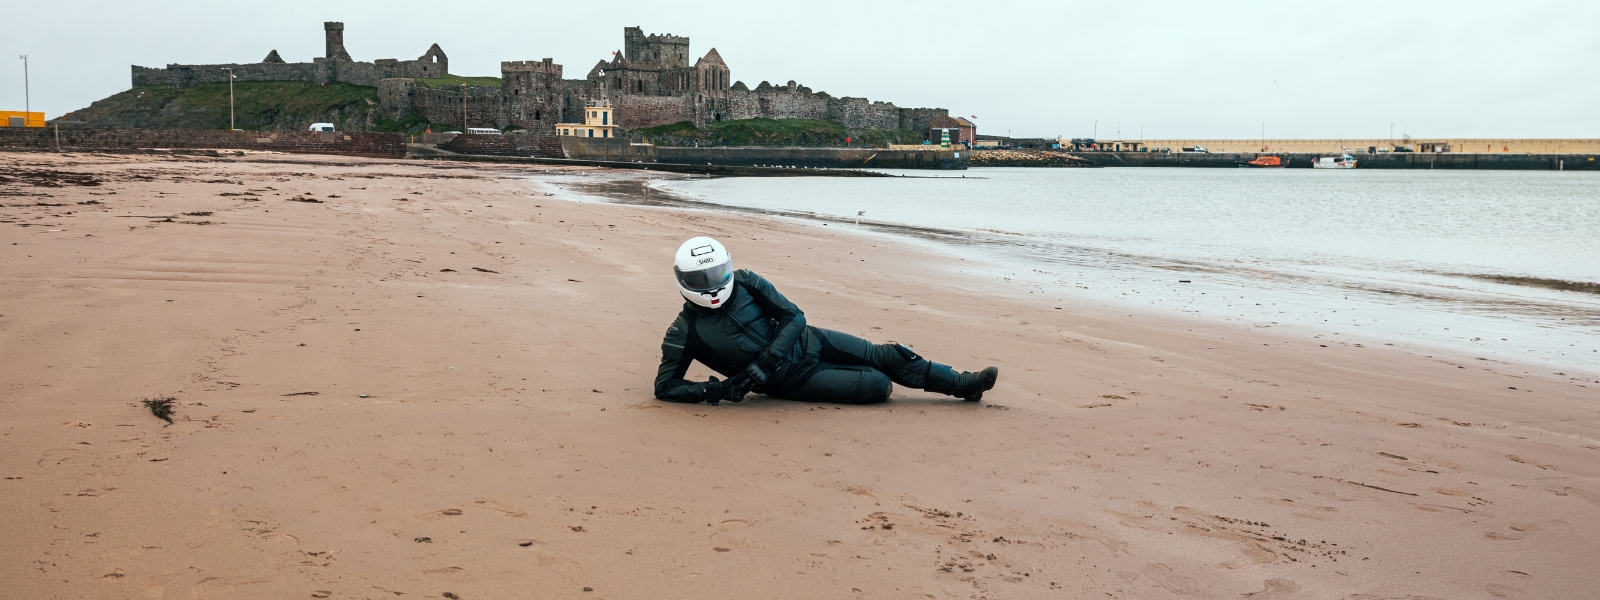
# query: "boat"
1264, 161
1344, 161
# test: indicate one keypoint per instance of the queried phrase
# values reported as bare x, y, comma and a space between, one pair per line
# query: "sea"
1499, 265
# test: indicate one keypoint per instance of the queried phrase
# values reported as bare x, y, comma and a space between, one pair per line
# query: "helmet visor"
707, 279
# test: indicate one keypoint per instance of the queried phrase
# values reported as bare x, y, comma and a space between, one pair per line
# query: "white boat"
1328, 162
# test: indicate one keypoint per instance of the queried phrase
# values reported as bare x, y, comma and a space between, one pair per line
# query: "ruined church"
650, 81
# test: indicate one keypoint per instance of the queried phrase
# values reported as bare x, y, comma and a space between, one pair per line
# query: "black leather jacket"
756, 324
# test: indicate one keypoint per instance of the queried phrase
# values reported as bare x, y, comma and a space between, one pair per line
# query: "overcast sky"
1176, 69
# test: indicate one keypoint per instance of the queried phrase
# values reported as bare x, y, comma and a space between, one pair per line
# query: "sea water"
1490, 263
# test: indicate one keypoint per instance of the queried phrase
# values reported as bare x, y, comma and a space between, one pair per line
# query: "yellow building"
17, 118
597, 122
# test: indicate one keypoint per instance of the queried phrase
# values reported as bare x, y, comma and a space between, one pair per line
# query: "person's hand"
737, 387
715, 391
757, 375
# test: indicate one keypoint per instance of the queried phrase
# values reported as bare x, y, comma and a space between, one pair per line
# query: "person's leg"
843, 384
903, 366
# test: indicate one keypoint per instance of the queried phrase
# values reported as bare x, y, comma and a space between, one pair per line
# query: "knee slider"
906, 353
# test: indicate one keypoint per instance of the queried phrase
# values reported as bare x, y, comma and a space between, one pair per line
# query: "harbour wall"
353, 143
785, 157
1422, 145
393, 145
815, 158
1395, 160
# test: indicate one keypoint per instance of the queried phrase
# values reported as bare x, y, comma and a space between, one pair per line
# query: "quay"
1364, 160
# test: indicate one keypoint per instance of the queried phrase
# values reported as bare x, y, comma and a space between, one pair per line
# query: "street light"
27, 103
230, 97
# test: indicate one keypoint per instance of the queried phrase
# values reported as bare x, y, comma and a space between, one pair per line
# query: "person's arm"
675, 359
791, 321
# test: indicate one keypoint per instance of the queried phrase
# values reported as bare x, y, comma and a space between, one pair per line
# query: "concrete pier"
1389, 160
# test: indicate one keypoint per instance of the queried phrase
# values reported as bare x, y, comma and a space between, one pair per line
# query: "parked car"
321, 127
1197, 149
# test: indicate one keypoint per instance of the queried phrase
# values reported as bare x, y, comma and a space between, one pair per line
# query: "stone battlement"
335, 66
531, 66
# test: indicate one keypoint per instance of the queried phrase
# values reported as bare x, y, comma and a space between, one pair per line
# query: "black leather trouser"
855, 371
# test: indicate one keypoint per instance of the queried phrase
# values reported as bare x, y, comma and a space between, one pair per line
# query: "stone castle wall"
633, 112
334, 67
321, 70
443, 105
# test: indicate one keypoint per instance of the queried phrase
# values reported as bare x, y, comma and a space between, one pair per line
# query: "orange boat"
1264, 161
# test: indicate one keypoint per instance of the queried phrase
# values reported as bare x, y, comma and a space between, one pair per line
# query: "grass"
459, 80
775, 132
257, 105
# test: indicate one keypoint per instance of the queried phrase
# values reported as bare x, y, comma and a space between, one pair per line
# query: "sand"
436, 382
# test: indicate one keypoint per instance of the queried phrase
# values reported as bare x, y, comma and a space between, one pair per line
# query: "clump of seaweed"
161, 408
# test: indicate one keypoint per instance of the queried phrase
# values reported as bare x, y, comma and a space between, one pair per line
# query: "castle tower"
661, 50
334, 32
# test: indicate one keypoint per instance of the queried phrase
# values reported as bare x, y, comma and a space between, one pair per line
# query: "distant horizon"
1037, 70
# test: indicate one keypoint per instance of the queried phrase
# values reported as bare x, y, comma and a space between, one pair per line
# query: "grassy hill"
258, 105
774, 132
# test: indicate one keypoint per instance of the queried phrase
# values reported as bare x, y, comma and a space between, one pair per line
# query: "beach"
399, 379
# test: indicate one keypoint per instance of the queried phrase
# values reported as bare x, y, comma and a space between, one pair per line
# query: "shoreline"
507, 401
1402, 301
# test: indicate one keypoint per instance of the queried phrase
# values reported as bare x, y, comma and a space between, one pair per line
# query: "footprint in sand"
1275, 589
1518, 531
1502, 591
1170, 580
441, 514
1589, 497
732, 534
452, 574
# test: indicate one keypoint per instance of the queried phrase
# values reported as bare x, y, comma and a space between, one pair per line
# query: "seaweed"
161, 408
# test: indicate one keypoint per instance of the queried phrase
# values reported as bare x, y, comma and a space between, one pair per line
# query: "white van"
321, 127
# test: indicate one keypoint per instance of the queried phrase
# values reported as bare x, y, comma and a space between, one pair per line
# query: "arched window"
536, 114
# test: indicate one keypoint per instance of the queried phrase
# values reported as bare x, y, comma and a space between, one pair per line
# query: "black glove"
756, 375
737, 387
715, 391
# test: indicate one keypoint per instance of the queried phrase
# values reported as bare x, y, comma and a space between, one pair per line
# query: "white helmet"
705, 272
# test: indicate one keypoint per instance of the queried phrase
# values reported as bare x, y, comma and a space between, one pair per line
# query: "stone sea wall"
376, 145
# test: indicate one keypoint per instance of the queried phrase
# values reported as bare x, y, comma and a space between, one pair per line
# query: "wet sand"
437, 379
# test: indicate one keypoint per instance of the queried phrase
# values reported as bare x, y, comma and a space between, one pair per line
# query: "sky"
1156, 70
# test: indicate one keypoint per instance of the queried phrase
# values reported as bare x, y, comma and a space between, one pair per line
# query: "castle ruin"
649, 82
335, 66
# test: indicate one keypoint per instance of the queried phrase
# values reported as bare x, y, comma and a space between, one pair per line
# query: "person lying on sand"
737, 324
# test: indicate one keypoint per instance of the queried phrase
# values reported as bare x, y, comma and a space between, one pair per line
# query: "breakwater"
1394, 160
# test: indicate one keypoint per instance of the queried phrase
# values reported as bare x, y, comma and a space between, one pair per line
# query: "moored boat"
1264, 161
1328, 162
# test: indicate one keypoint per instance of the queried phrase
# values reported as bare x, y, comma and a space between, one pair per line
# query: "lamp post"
230, 97
27, 102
